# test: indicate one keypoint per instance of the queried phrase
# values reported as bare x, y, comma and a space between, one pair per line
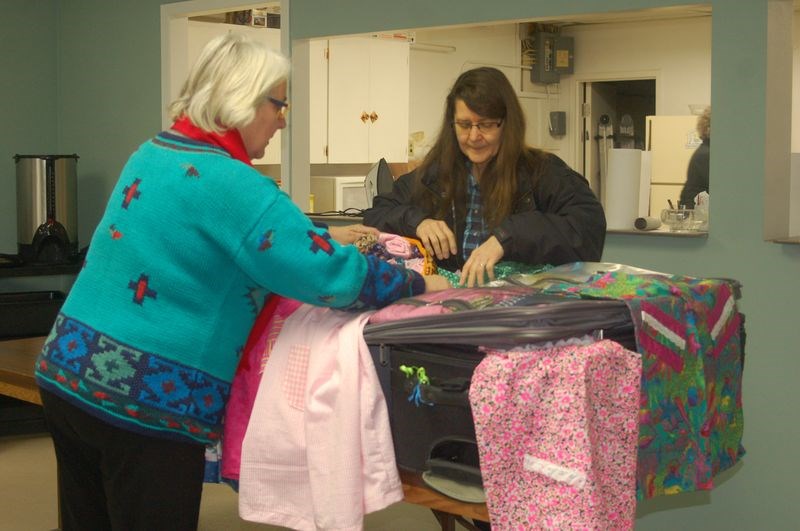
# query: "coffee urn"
47, 217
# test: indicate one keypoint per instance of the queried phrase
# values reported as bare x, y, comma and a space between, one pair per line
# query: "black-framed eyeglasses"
283, 106
486, 126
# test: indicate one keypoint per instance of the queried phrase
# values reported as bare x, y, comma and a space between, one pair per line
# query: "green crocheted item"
501, 271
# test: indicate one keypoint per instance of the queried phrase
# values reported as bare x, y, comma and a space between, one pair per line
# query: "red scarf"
231, 141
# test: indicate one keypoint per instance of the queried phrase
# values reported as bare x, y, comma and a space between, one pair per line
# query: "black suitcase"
432, 424
440, 413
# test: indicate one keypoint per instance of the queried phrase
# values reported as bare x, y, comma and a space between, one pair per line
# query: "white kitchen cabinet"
318, 101
367, 104
201, 32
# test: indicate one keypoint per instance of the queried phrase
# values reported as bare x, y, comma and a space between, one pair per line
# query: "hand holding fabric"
348, 234
481, 262
437, 238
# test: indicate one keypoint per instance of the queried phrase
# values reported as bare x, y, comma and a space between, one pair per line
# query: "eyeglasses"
488, 126
283, 106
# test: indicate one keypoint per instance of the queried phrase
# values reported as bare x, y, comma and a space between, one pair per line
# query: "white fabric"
570, 476
324, 467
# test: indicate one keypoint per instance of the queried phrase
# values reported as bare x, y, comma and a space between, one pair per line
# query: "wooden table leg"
466, 523
446, 520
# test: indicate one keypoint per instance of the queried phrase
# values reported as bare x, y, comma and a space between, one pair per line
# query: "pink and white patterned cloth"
318, 451
247, 379
557, 431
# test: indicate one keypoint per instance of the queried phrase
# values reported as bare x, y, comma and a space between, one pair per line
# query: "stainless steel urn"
47, 214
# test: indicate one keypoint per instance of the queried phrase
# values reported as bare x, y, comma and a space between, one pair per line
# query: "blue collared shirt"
475, 227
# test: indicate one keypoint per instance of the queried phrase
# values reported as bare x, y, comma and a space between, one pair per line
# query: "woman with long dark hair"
481, 195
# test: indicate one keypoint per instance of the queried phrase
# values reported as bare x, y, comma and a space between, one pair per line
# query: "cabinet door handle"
364, 116
373, 117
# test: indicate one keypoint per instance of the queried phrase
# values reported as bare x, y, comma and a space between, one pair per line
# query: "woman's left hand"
349, 234
481, 263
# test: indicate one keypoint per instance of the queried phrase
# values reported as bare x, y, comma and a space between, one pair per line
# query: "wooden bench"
17, 357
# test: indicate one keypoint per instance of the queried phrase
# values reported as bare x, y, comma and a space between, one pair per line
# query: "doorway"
614, 116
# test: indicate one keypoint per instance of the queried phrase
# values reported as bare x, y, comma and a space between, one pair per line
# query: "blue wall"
109, 92
107, 87
28, 94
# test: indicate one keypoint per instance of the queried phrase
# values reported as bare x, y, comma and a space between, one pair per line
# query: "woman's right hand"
350, 234
436, 283
437, 238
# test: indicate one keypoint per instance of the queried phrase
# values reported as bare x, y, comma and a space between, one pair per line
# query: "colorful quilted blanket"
689, 333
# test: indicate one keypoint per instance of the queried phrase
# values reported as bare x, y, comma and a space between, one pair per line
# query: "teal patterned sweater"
191, 244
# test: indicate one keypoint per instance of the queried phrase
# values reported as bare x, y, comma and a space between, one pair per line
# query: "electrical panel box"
558, 123
554, 55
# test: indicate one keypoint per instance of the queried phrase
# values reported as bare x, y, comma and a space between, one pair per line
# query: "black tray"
28, 313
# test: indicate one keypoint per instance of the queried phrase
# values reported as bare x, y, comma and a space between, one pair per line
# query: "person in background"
697, 172
136, 371
481, 195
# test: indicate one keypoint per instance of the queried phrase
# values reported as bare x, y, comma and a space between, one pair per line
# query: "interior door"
598, 100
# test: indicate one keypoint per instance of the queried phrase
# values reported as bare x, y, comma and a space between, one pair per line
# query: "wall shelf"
660, 232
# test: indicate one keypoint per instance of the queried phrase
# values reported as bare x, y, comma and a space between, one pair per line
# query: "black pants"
113, 479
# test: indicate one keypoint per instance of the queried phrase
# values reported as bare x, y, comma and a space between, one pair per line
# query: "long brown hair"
487, 92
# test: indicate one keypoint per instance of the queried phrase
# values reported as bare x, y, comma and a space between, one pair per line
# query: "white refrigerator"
671, 141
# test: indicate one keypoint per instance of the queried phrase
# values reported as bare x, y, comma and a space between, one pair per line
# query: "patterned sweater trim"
130, 388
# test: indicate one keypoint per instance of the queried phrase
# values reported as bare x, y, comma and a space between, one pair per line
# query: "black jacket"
558, 221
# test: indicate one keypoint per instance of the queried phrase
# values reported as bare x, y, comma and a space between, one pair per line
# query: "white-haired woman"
136, 371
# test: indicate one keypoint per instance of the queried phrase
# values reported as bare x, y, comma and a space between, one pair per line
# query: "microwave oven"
338, 194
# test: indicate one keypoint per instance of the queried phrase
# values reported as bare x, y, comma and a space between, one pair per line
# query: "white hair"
232, 77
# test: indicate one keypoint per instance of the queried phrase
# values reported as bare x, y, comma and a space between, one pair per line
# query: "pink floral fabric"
557, 431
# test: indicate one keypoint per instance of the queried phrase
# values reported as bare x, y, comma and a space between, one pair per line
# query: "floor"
28, 496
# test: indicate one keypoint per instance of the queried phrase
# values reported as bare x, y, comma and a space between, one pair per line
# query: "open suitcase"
432, 425
435, 429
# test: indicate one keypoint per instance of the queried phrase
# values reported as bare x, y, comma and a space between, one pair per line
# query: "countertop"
662, 231
17, 357
335, 220
27, 270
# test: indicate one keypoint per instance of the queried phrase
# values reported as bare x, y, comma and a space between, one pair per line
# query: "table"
447, 510
17, 357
